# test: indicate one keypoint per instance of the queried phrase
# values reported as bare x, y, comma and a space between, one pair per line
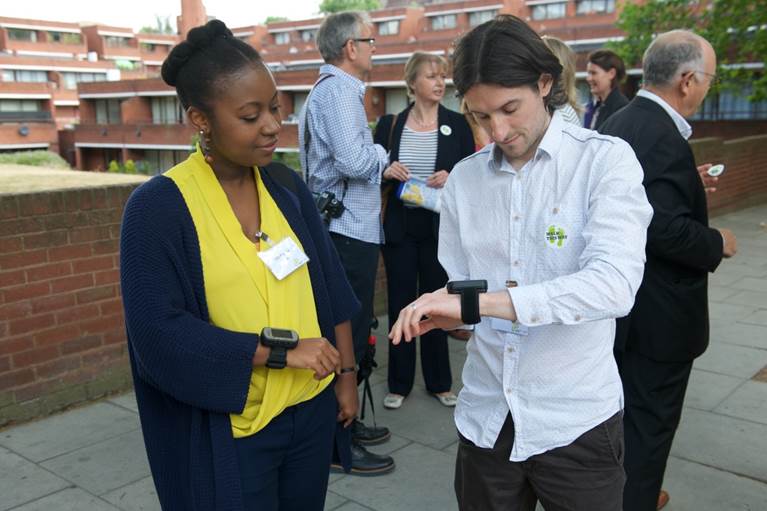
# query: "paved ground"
92, 458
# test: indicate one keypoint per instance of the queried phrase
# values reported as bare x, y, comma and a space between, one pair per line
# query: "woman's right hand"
315, 354
396, 171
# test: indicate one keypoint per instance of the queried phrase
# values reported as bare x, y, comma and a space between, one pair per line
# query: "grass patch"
35, 158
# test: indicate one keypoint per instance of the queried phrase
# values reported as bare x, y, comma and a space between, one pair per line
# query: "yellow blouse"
243, 295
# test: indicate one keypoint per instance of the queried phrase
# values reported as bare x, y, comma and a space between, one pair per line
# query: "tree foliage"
737, 29
274, 19
161, 25
331, 6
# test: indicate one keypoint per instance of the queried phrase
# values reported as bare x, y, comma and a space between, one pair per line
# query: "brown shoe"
663, 499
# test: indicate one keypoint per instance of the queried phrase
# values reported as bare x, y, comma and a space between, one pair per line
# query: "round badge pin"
445, 130
716, 170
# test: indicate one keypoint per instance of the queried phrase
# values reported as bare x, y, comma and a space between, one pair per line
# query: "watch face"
282, 334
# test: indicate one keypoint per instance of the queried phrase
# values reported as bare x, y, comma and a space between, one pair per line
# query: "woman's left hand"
438, 179
348, 399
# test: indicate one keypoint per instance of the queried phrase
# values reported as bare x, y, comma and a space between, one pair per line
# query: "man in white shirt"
554, 218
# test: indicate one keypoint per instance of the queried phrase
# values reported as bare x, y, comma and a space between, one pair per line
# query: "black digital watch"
469, 291
280, 341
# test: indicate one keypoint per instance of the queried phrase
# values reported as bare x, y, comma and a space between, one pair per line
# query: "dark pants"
654, 393
285, 465
412, 269
360, 262
586, 475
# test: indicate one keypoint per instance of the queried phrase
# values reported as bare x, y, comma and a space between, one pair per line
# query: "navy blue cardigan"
188, 374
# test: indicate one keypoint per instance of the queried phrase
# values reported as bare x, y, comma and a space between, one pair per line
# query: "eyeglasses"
714, 78
370, 40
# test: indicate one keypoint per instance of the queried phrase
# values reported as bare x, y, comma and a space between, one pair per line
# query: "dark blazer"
450, 150
614, 102
669, 321
189, 375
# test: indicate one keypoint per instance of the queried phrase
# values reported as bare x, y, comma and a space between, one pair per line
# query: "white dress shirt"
569, 227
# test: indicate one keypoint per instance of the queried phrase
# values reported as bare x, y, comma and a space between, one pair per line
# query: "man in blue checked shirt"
338, 155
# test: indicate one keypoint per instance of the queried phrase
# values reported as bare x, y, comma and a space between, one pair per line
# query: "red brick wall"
62, 337
745, 179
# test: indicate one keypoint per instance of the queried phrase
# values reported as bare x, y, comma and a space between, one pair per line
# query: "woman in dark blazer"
425, 140
604, 73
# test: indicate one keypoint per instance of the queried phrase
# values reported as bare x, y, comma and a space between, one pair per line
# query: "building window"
731, 105
18, 34
167, 110
70, 80
108, 111
479, 17
282, 38
159, 161
148, 47
548, 11
594, 6
307, 36
444, 22
116, 41
390, 27
64, 38
299, 99
20, 105
11, 75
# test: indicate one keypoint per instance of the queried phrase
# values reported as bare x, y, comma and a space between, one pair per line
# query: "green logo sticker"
556, 236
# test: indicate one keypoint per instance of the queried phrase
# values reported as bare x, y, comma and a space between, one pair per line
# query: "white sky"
137, 13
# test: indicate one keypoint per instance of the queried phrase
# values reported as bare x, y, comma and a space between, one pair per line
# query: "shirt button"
516, 263
510, 349
555, 210
577, 317
534, 319
516, 218
508, 390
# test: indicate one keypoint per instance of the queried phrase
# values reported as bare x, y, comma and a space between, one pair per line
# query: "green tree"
735, 28
274, 19
161, 26
331, 6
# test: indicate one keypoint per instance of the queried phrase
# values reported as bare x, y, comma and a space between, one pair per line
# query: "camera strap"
308, 136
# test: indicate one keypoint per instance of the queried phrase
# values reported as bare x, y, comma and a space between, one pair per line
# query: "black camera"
328, 206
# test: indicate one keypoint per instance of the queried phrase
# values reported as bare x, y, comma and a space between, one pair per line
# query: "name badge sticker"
283, 258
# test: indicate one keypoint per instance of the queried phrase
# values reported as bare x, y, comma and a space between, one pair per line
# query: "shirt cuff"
531, 305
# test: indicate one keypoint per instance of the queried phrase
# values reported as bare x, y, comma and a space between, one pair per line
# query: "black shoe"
369, 435
365, 463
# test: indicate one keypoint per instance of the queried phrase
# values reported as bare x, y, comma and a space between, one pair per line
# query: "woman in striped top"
424, 141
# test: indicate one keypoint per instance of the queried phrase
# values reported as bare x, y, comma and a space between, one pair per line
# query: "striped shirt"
418, 152
341, 156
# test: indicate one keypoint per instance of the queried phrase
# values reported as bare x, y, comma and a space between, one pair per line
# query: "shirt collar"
352, 81
681, 123
549, 145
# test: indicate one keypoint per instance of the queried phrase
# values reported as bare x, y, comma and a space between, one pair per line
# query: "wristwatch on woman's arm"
280, 341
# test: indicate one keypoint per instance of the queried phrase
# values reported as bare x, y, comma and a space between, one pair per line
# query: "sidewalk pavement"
92, 457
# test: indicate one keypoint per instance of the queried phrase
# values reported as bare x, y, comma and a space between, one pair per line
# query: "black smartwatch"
280, 341
469, 291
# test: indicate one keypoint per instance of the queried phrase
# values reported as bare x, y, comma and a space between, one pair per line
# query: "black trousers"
412, 269
291, 453
360, 262
654, 393
586, 475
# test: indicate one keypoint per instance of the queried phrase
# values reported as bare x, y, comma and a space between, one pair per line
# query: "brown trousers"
586, 475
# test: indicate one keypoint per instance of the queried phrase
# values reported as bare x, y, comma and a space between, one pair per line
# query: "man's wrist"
497, 305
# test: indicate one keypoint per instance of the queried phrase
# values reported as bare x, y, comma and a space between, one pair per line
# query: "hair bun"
197, 40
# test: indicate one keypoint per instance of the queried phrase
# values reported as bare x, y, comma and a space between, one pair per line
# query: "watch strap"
278, 358
470, 307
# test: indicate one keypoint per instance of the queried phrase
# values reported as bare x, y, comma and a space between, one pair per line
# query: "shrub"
35, 158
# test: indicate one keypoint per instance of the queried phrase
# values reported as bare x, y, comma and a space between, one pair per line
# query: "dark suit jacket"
614, 102
450, 150
669, 321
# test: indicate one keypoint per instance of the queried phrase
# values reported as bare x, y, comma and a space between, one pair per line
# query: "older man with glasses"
338, 156
667, 328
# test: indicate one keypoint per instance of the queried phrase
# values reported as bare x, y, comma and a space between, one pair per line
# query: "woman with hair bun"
236, 306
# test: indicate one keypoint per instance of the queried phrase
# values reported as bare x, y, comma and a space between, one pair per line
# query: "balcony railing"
25, 117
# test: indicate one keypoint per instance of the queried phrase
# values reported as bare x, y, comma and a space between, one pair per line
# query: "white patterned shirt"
570, 227
342, 157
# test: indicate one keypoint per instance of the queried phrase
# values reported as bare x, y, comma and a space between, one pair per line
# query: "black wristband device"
469, 291
280, 341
